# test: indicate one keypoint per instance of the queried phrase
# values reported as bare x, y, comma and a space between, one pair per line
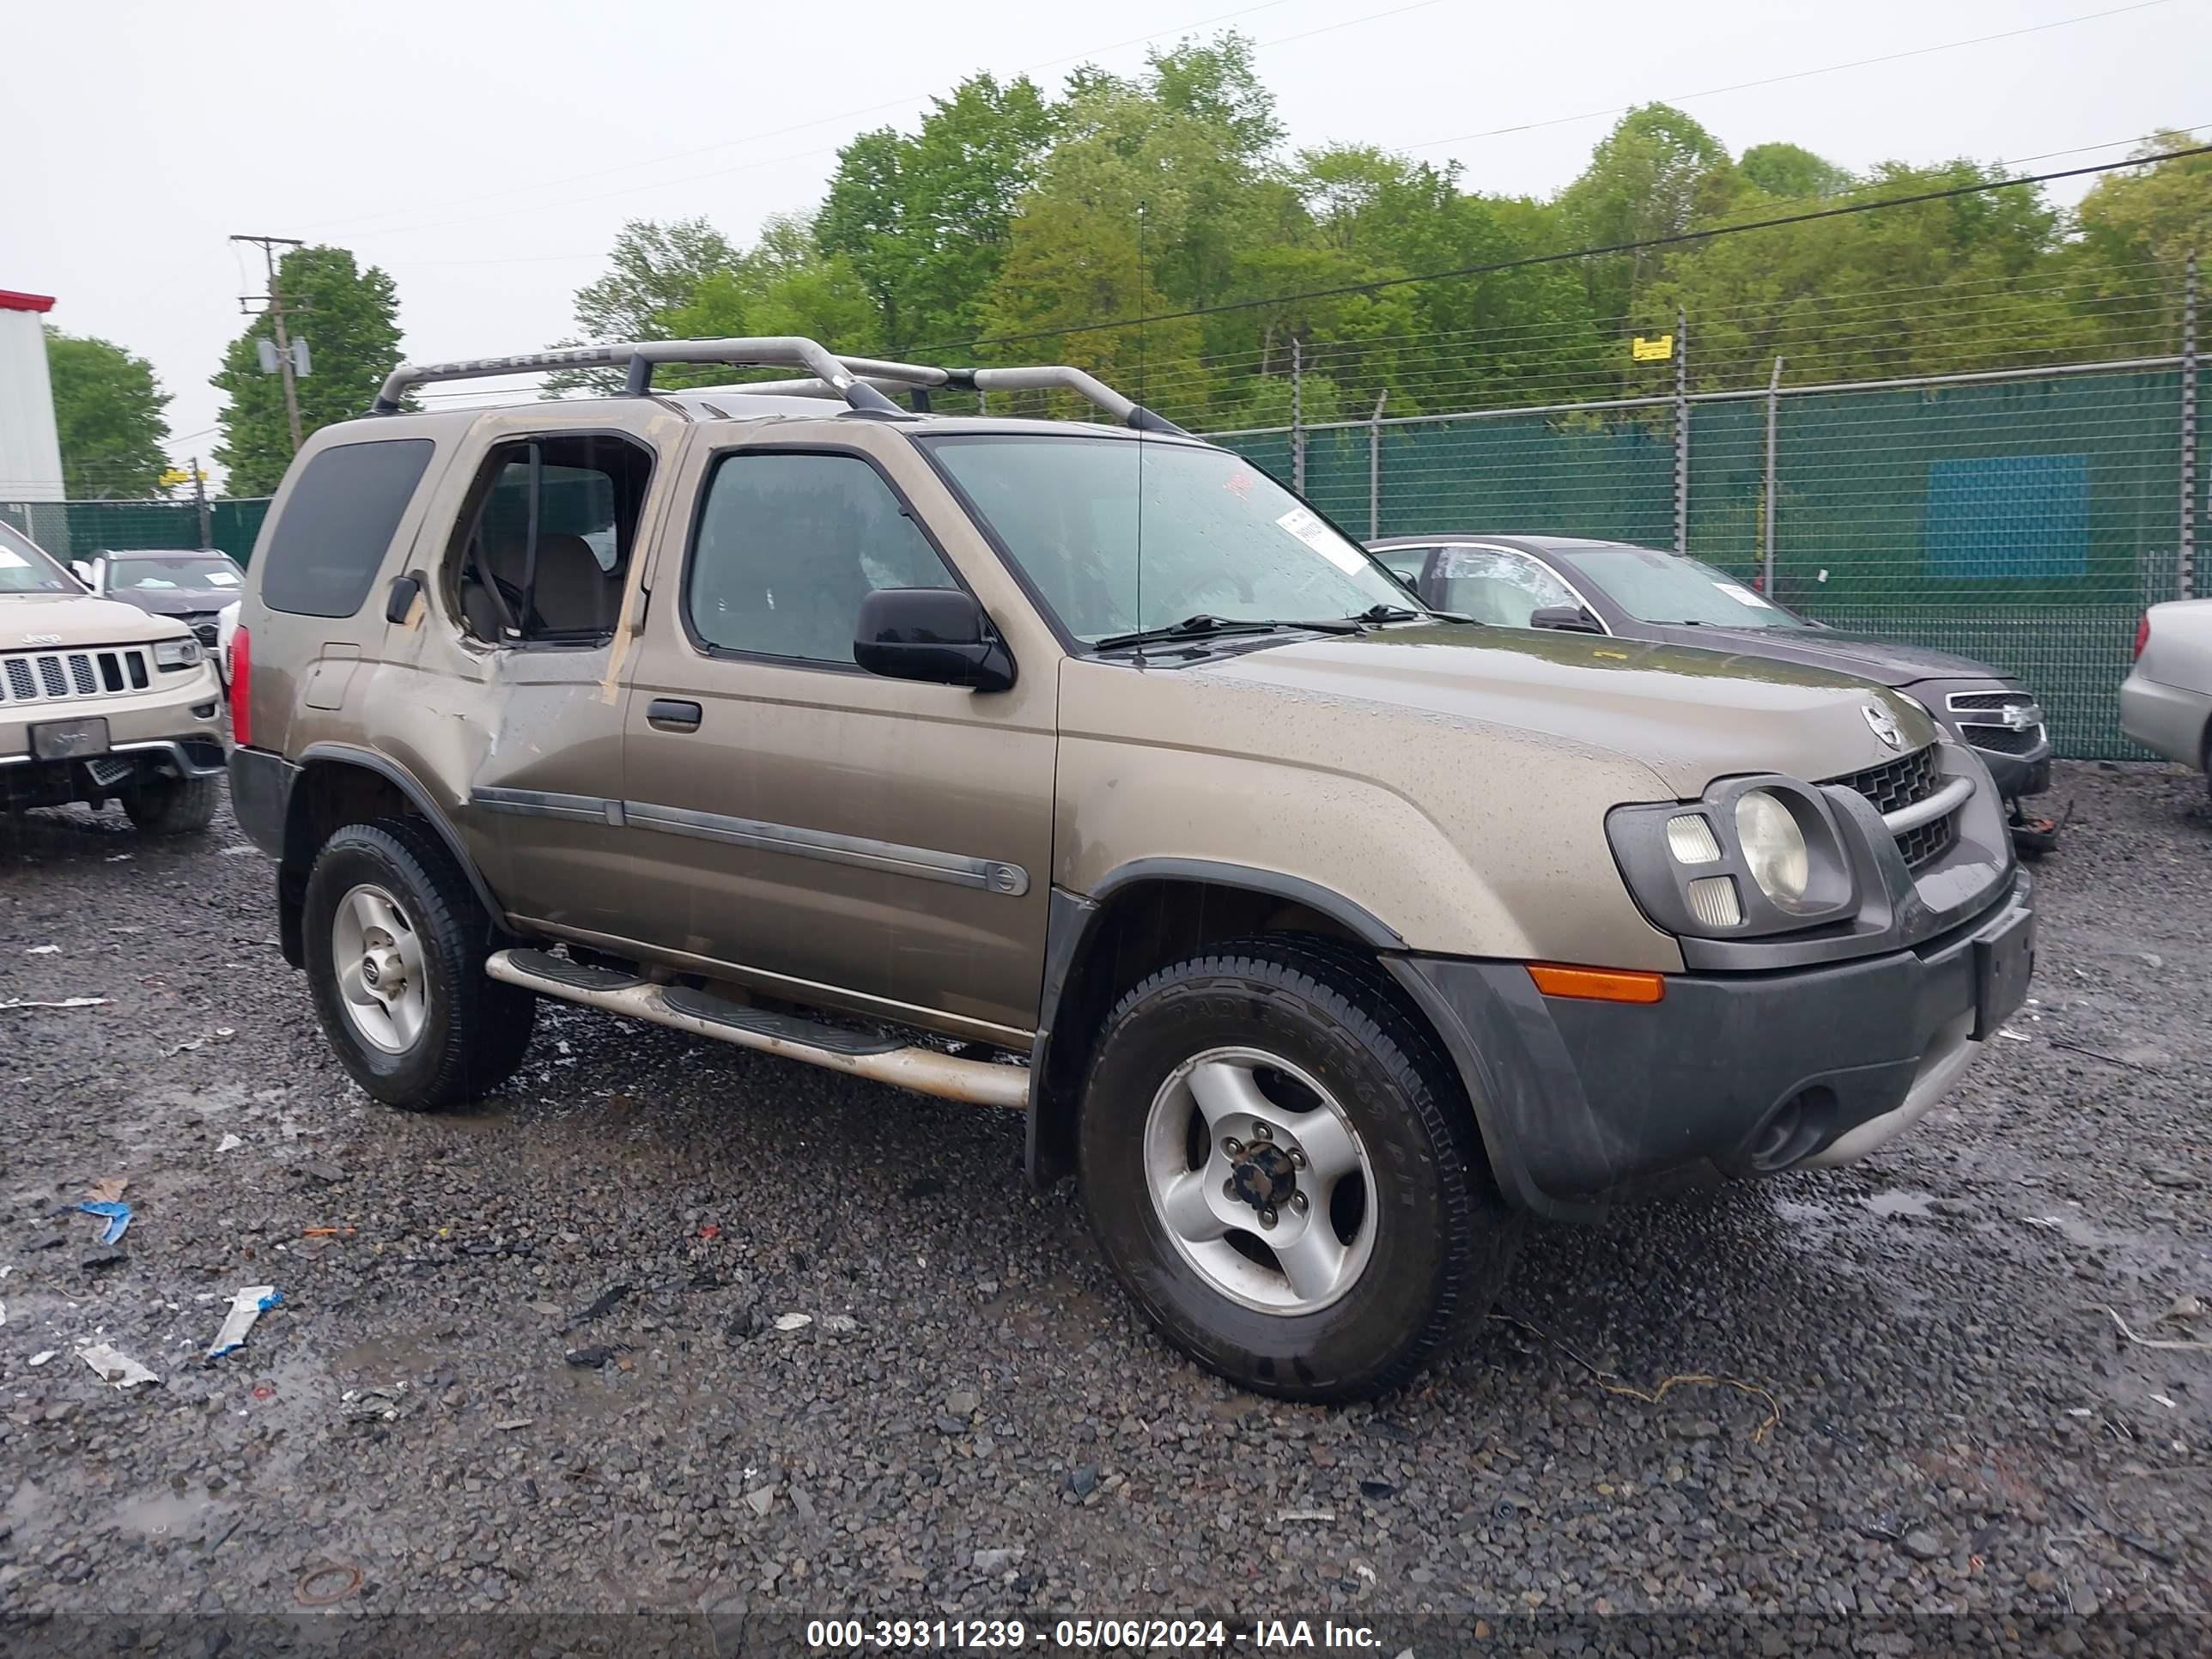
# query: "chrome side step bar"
925, 1070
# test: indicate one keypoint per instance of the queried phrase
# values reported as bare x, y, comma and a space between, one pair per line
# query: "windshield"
1220, 537
25, 570
1666, 587
135, 574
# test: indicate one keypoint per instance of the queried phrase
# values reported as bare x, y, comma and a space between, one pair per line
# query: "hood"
79, 619
1689, 715
1885, 662
179, 601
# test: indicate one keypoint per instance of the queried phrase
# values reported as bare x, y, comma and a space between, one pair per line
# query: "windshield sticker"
9, 561
1239, 484
1743, 596
222, 579
1315, 534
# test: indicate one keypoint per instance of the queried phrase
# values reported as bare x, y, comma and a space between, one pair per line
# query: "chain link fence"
77, 529
2024, 518
2023, 507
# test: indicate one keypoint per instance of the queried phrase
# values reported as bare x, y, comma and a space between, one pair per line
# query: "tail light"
2142, 634
241, 673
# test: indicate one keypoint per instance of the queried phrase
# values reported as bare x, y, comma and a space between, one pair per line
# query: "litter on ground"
246, 1306
118, 1371
117, 1215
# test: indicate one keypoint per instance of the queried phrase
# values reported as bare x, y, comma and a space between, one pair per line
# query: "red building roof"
10, 300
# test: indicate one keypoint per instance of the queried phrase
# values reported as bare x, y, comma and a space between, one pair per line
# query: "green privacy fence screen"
2024, 520
77, 530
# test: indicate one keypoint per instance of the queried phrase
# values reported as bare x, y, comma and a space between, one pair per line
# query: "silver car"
2166, 703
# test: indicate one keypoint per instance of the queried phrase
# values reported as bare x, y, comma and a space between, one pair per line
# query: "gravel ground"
540, 1364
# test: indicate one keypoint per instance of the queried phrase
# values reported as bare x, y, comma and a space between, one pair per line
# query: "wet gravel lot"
674, 1327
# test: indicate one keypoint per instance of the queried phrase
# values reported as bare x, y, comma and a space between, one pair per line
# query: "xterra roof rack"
862, 382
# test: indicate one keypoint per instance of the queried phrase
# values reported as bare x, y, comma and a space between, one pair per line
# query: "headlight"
1773, 848
1753, 857
176, 653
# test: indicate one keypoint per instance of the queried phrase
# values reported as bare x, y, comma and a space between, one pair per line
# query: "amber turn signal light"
1597, 984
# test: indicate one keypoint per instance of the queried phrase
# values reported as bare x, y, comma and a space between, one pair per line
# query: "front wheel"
396, 943
174, 807
1282, 1169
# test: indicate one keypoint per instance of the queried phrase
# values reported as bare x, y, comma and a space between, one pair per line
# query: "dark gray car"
1642, 593
190, 584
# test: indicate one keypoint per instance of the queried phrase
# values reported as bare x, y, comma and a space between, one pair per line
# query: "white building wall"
30, 447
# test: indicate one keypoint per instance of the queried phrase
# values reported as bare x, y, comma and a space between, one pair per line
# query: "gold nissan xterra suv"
1083, 770
101, 701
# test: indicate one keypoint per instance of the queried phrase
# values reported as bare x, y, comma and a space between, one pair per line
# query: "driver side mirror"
941, 636
81, 570
1566, 619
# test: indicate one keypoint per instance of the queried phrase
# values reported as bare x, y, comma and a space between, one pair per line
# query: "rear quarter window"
330, 540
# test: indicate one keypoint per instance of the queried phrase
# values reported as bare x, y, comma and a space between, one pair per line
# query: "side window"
550, 538
1405, 563
325, 548
788, 546
1501, 588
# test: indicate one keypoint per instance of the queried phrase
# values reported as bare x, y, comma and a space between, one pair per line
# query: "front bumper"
173, 728
1583, 1102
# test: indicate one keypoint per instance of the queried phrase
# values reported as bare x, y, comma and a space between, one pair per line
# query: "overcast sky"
487, 153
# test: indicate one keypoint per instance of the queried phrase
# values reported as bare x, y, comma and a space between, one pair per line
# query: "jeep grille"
44, 676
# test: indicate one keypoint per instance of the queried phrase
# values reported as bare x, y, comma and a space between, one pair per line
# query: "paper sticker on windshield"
1324, 541
9, 561
222, 579
1743, 595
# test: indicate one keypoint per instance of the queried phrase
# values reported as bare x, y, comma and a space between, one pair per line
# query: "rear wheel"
1283, 1170
174, 807
396, 943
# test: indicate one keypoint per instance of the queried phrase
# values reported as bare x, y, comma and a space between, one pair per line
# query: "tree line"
1014, 223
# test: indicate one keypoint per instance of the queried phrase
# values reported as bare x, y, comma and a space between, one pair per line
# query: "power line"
1676, 240
1794, 75
799, 156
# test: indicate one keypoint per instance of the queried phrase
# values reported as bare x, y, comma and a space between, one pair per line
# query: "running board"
925, 1070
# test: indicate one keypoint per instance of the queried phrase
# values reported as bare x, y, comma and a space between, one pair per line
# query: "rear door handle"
672, 714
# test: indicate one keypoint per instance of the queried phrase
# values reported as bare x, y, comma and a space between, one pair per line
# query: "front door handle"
672, 714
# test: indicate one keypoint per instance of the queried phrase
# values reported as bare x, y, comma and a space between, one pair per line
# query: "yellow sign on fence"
1652, 351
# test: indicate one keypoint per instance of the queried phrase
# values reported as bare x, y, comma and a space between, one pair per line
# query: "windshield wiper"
1203, 627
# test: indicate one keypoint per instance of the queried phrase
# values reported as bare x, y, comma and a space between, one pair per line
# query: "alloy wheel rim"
382, 984
1260, 1181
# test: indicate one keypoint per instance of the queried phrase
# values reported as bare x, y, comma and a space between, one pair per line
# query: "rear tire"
174, 807
396, 942
1348, 1118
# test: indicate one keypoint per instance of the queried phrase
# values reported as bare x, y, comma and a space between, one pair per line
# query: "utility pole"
273, 303
200, 501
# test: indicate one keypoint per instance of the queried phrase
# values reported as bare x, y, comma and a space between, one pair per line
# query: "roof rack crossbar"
638, 358
862, 382
890, 376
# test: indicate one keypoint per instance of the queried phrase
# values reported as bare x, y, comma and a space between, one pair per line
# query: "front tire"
1282, 1169
396, 942
174, 807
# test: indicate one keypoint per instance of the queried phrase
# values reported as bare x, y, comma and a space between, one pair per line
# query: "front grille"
1997, 737
46, 677
204, 629
2003, 739
1901, 783
1930, 841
